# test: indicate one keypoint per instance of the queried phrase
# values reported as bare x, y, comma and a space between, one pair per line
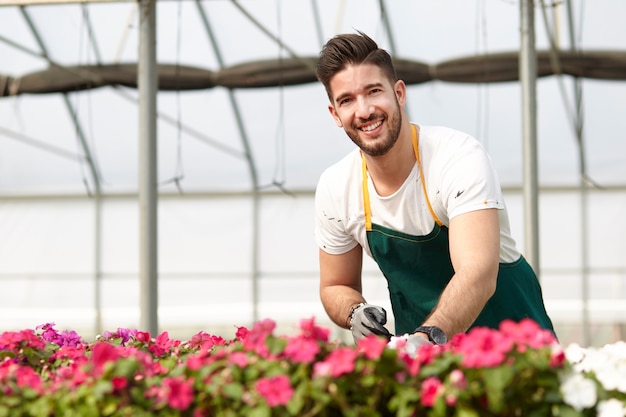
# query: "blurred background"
242, 134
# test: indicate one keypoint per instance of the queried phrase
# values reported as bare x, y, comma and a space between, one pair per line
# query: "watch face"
435, 334
438, 336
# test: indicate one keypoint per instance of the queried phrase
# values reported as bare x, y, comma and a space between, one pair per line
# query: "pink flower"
255, 340
195, 362
337, 363
276, 390
27, 378
119, 382
13, 341
372, 346
457, 379
239, 359
205, 341
310, 330
431, 389
163, 344
103, 353
179, 392
301, 349
242, 333
484, 347
527, 333
74, 353
557, 356
142, 337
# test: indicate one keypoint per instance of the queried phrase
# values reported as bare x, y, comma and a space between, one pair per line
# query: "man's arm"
340, 284
475, 253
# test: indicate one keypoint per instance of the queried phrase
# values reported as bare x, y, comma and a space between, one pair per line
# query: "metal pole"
584, 194
147, 85
528, 79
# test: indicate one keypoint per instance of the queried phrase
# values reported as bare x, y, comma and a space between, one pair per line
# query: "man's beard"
382, 144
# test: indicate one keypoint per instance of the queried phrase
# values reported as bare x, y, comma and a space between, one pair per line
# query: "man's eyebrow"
366, 88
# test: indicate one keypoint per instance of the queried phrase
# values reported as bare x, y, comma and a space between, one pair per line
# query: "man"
423, 201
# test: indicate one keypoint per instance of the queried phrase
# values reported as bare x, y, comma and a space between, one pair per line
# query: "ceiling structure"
256, 56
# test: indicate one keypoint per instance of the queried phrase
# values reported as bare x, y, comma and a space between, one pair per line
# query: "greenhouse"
158, 160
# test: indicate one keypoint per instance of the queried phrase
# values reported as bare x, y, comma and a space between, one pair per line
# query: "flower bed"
518, 370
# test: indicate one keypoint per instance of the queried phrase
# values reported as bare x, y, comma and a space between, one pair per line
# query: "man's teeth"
371, 127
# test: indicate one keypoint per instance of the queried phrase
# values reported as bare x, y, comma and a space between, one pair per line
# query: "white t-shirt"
459, 178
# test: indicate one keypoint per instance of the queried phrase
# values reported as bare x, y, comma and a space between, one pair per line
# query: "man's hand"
368, 319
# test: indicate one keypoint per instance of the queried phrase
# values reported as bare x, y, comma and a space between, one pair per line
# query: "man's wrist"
433, 333
351, 315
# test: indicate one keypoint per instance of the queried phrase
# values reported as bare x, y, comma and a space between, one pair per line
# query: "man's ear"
400, 90
333, 113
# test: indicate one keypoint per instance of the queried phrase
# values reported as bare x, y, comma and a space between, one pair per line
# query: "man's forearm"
338, 301
460, 304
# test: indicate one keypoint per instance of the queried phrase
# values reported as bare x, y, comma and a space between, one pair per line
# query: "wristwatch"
434, 333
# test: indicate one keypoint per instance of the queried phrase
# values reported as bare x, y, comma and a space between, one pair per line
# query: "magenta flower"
337, 363
142, 337
119, 383
239, 359
310, 330
163, 344
242, 333
483, 347
527, 333
26, 377
276, 390
179, 392
14, 341
121, 333
205, 341
103, 353
301, 349
372, 346
431, 389
255, 339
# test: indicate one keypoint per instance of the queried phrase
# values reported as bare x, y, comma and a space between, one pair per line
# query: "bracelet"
351, 317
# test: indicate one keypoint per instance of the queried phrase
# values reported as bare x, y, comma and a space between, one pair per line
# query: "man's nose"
364, 108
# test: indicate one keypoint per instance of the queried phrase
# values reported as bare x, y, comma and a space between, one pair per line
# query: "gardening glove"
367, 319
413, 343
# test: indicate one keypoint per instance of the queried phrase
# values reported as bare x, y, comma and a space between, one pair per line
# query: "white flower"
611, 408
398, 341
574, 353
578, 391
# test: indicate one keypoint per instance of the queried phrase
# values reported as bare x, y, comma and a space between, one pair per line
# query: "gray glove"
368, 319
413, 342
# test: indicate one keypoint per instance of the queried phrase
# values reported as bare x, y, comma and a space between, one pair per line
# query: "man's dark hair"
351, 49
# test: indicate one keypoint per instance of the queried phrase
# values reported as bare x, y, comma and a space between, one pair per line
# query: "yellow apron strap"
366, 195
419, 164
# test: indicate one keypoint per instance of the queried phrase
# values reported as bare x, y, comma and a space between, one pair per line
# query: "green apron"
418, 268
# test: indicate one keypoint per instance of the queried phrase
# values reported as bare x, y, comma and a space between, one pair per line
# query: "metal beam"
147, 83
528, 79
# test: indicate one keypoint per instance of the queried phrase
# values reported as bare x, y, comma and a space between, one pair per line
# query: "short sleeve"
468, 181
331, 217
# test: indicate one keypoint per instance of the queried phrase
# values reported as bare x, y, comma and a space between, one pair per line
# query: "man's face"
368, 107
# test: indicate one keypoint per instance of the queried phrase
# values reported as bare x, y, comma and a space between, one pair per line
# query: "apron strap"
366, 197
423, 181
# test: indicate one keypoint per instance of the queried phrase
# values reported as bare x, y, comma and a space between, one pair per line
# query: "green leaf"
261, 410
233, 390
496, 380
466, 412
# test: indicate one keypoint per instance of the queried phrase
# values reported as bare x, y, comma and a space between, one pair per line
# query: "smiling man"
423, 201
